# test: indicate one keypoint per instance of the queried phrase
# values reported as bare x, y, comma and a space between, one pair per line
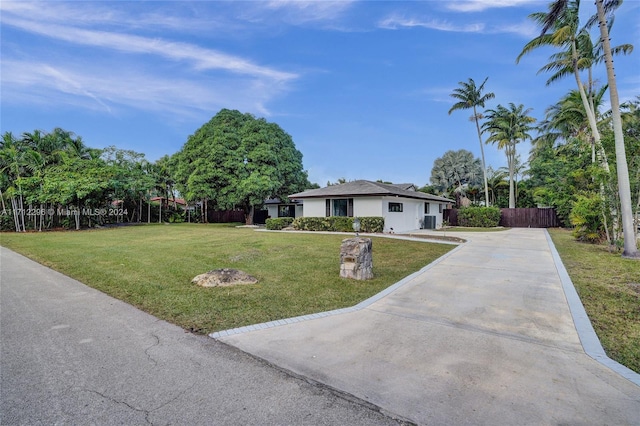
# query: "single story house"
402, 206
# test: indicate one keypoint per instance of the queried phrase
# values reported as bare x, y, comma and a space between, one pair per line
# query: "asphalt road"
72, 355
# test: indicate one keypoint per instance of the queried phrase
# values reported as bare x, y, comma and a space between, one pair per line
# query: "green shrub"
342, 224
338, 224
479, 217
176, 218
311, 224
7, 223
278, 223
586, 217
372, 224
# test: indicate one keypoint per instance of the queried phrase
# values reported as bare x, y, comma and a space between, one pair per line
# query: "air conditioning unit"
429, 222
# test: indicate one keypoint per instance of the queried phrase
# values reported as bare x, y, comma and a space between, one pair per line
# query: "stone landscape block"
356, 260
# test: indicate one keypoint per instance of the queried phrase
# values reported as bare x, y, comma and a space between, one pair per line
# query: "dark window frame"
395, 207
346, 205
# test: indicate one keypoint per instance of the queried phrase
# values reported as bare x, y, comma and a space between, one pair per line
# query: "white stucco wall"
406, 220
434, 210
367, 206
314, 207
273, 210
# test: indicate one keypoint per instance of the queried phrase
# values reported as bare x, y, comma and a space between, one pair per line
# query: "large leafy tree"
507, 127
455, 172
558, 174
237, 161
470, 96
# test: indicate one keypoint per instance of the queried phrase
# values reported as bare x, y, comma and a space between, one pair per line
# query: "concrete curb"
362, 305
588, 338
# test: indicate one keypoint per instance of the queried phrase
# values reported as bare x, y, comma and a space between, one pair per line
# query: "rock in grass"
223, 278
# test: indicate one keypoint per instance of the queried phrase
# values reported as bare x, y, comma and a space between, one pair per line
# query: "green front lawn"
151, 266
609, 287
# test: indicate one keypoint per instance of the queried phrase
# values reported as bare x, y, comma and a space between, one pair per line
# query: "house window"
395, 207
440, 208
426, 208
340, 207
286, 211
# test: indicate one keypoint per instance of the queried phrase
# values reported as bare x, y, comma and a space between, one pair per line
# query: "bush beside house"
278, 223
338, 224
479, 217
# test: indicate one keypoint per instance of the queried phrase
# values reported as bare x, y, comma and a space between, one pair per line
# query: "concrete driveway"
483, 336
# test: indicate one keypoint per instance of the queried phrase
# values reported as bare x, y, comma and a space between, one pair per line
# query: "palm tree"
470, 96
560, 28
562, 18
17, 160
496, 180
624, 185
568, 119
508, 127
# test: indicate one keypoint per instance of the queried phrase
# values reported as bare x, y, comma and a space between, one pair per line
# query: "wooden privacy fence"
225, 216
529, 218
517, 218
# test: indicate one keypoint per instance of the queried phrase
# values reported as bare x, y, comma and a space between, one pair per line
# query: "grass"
151, 266
609, 287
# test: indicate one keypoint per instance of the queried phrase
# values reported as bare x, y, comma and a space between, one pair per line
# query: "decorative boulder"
356, 261
223, 278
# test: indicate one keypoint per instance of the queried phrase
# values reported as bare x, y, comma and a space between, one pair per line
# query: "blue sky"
361, 86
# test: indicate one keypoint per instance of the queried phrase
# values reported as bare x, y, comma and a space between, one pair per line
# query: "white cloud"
481, 5
438, 94
98, 88
525, 29
200, 58
91, 14
394, 22
299, 12
200, 78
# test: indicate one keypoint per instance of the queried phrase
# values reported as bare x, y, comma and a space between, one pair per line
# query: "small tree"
455, 172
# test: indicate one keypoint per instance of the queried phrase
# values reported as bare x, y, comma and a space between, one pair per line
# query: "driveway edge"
588, 337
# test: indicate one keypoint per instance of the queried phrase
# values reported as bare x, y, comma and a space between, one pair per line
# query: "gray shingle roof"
363, 188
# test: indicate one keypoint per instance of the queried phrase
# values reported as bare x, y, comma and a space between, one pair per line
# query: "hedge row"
278, 223
479, 217
338, 224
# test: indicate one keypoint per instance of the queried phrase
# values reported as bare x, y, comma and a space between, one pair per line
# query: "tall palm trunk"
624, 186
588, 107
511, 151
484, 166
